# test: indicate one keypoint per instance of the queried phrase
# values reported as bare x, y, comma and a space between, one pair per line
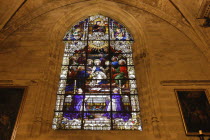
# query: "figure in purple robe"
76, 107
117, 105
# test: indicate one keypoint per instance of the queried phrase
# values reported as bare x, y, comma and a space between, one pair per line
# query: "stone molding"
18, 82
185, 82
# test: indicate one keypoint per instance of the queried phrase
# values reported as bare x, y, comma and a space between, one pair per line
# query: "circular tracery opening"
97, 88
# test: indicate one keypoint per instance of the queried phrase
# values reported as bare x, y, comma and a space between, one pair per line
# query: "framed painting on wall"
195, 111
10, 107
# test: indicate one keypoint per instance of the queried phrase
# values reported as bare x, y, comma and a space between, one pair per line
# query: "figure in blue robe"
115, 62
81, 75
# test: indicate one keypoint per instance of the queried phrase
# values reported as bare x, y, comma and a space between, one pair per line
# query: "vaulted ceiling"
11, 11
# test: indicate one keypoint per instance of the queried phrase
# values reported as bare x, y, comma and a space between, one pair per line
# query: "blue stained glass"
97, 88
118, 31
77, 32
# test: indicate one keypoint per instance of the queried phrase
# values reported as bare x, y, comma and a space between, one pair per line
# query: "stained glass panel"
97, 88
75, 47
118, 31
78, 31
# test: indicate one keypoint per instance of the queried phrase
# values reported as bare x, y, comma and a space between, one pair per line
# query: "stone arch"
141, 57
188, 31
66, 22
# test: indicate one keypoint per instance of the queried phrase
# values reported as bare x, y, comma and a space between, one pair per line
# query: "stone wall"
168, 54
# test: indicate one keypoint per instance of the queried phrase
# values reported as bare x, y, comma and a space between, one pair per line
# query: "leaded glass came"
97, 88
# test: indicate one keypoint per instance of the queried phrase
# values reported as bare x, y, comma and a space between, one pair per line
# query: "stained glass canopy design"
97, 88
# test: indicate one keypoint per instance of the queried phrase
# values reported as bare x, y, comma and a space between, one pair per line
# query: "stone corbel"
155, 126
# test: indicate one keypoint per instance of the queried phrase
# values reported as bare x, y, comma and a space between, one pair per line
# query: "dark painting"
10, 101
195, 109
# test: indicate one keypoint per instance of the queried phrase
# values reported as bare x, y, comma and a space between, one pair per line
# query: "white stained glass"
135, 103
65, 60
98, 18
131, 72
132, 84
64, 70
98, 36
124, 46
72, 46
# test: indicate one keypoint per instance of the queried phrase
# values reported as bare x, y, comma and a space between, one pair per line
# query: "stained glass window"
97, 88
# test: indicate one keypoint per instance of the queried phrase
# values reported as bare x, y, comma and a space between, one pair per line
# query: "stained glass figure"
78, 31
97, 88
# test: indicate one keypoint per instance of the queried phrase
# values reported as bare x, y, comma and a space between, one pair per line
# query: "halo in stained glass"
97, 88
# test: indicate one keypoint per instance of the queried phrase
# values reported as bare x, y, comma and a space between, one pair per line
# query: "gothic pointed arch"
97, 87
